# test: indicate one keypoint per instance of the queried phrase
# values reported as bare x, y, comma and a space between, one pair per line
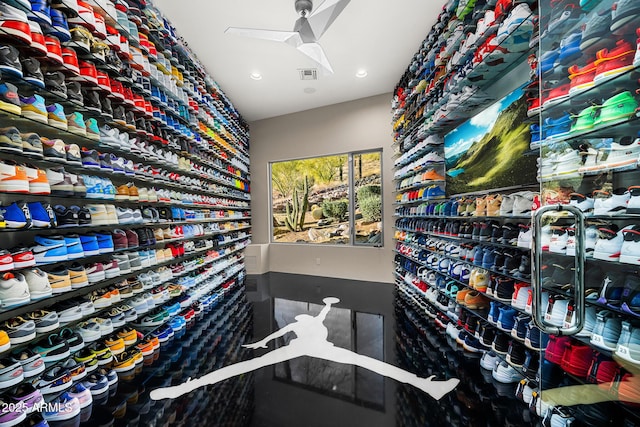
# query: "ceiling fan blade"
315, 52
324, 15
290, 37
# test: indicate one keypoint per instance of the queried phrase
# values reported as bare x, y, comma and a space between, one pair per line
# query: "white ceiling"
379, 36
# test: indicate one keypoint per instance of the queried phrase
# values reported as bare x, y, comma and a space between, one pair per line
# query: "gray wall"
351, 126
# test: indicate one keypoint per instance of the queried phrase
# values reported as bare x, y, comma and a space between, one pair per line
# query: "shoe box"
124, 216
463, 263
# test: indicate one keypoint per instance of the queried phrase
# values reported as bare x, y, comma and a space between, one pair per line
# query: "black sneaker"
510, 234
119, 115
54, 82
74, 92
31, 72
10, 61
504, 289
516, 354
130, 119
91, 100
165, 215
501, 343
84, 216
496, 232
107, 110
66, 217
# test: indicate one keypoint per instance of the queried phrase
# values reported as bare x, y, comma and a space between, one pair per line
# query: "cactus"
297, 209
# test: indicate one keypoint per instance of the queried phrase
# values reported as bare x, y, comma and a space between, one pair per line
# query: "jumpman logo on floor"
311, 340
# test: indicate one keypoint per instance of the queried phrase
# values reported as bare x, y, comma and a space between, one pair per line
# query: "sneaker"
52, 349
628, 346
32, 146
9, 98
38, 282
32, 363
14, 290
96, 384
607, 330
609, 243
82, 394
46, 321
76, 124
60, 280
34, 108
506, 374
55, 380
13, 178
20, 330
14, 22
10, 140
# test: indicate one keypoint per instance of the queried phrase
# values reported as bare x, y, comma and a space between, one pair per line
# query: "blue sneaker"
95, 189
42, 216
49, 249
548, 61
59, 25
555, 128
155, 95
435, 192
494, 312
506, 318
570, 48
172, 309
90, 244
105, 242
74, 246
40, 12
177, 323
109, 189
16, 215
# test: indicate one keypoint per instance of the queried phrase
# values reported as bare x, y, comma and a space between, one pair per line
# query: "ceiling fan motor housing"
304, 7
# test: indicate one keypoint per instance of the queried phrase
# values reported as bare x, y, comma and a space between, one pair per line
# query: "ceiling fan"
307, 30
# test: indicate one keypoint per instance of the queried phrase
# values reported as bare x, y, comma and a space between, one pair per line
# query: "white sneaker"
611, 203
558, 243
584, 203
525, 237
38, 283
609, 244
98, 214
14, 290
489, 361
556, 311
523, 203
505, 373
633, 205
630, 250
591, 237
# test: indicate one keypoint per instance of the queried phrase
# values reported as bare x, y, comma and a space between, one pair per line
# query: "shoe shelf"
503, 356
47, 302
82, 141
149, 332
421, 184
139, 179
420, 169
89, 227
466, 75
438, 236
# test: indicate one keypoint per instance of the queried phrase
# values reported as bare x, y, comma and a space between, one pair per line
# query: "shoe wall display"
463, 263
124, 210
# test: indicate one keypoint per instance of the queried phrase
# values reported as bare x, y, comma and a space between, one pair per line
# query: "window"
328, 200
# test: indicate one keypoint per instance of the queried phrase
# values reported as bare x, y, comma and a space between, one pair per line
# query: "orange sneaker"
474, 300
5, 344
461, 295
38, 181
13, 178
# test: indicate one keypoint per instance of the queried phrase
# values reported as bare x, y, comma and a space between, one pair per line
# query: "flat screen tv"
491, 150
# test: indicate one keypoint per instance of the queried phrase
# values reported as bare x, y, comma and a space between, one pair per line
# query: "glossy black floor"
376, 320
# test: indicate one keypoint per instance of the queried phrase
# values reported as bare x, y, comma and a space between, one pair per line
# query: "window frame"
351, 197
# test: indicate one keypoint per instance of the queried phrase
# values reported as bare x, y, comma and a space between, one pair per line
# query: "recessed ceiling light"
256, 76
362, 74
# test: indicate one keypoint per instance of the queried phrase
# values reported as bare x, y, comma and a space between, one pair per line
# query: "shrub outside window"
328, 200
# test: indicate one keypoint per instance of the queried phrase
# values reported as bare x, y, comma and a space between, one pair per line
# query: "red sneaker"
70, 62
6, 260
54, 50
611, 63
556, 95
104, 82
22, 258
582, 78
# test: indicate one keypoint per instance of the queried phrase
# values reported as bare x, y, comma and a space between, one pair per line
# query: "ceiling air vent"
308, 74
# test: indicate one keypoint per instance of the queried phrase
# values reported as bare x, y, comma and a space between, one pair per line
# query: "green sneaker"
585, 120
618, 107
